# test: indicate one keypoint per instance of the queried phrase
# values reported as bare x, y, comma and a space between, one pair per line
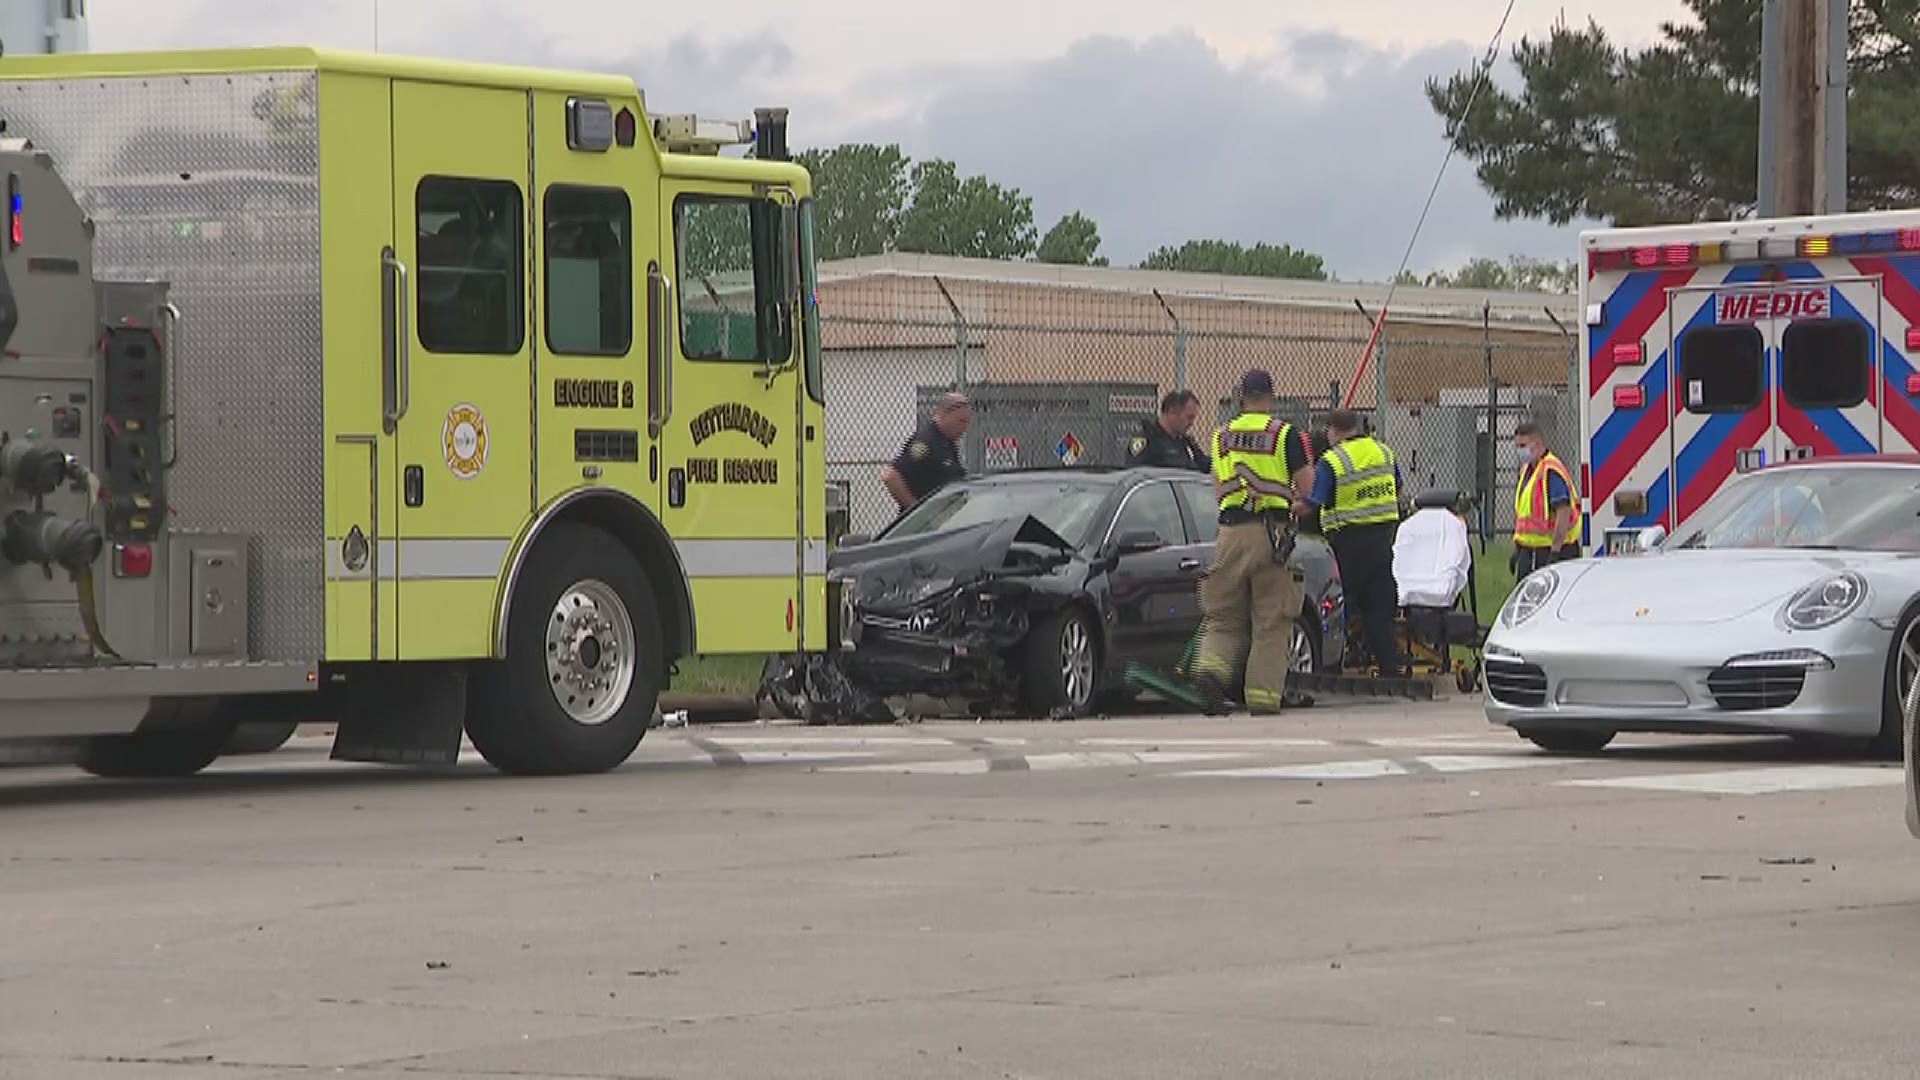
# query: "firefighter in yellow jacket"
1259, 464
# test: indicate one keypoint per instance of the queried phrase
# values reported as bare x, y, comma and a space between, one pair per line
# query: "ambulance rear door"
1827, 389
1721, 341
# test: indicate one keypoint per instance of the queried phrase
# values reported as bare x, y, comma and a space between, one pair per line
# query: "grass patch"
1492, 577
734, 675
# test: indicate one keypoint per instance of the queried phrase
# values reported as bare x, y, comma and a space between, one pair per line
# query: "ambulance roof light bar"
686, 133
1667, 256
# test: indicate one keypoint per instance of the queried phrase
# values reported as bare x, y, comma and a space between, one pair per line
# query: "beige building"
897, 326
1035, 322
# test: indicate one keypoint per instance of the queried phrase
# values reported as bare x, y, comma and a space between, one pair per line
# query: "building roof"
1512, 310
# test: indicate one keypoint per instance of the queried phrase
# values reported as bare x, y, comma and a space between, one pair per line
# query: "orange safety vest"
1532, 521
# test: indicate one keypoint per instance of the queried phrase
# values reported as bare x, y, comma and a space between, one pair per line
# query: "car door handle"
1189, 564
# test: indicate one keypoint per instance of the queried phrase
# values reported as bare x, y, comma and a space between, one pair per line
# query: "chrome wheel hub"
1076, 663
590, 661
1300, 656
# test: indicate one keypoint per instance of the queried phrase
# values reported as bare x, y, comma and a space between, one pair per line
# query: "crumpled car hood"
898, 575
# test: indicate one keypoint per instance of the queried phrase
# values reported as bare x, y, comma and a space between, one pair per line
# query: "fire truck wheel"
171, 751
583, 666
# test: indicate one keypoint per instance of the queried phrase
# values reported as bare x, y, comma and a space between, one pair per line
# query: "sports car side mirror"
855, 540
1650, 537
1138, 542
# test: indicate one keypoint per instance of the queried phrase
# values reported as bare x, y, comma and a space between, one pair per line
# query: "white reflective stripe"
425, 560
748, 558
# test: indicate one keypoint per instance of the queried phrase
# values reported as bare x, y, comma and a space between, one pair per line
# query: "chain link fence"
1063, 375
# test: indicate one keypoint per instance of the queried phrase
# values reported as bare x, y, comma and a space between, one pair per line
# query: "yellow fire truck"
420, 397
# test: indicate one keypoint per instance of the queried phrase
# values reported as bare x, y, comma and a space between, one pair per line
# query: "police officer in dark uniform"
930, 458
1164, 440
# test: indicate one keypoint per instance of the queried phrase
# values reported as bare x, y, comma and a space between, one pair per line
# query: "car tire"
584, 661
1890, 741
1060, 665
1564, 741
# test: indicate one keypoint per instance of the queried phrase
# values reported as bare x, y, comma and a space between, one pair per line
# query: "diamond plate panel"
212, 183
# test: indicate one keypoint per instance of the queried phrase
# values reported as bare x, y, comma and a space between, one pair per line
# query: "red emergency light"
132, 561
1629, 353
1650, 256
1913, 338
1913, 386
1632, 396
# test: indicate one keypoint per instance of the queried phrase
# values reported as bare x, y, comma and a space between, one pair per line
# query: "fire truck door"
459, 416
1721, 346
1827, 386
726, 408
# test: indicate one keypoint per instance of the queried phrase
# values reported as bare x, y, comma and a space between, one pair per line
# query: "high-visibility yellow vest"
1532, 521
1364, 489
1250, 463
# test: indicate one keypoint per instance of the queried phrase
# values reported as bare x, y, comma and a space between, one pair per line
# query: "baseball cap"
1256, 383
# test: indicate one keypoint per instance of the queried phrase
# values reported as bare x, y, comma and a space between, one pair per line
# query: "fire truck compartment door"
462, 439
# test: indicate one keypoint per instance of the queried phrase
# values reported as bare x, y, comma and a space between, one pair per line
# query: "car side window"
1151, 509
1204, 510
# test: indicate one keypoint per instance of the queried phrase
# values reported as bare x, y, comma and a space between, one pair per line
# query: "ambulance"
427, 399
1713, 349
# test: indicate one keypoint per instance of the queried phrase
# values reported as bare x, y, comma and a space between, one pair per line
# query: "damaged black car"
1032, 590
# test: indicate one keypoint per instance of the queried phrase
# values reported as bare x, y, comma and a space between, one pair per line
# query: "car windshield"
1065, 506
1872, 508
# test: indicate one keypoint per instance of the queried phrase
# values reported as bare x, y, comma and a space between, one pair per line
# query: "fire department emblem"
463, 441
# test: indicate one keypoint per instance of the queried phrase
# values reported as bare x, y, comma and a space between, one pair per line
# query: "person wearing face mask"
1545, 527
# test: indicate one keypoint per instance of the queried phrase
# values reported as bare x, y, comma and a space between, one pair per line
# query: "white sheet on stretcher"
1431, 557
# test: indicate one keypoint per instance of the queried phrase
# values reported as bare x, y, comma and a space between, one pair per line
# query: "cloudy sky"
1291, 121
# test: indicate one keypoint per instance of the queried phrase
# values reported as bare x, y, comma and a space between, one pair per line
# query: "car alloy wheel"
590, 656
1300, 649
1076, 663
1907, 666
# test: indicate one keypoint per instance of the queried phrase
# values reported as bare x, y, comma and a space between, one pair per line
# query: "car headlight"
1824, 603
1530, 597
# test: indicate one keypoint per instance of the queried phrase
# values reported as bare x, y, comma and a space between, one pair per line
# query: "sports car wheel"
1903, 666
1559, 741
1062, 665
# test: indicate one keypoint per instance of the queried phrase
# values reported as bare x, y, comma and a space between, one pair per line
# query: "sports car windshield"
1876, 509
1066, 507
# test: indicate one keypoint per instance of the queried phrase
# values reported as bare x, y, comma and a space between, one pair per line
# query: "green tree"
1671, 132
1518, 274
1072, 241
860, 192
973, 218
1223, 257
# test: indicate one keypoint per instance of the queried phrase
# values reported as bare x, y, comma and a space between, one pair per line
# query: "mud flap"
403, 714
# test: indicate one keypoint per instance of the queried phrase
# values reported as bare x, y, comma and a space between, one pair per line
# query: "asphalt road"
1372, 891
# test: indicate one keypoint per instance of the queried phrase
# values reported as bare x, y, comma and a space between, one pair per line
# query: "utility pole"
1803, 107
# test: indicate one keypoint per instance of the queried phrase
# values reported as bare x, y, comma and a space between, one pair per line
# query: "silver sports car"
1788, 604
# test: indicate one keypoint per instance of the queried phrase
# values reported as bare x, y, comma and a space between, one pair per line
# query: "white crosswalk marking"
1251, 744
1325, 770
1756, 781
1480, 763
1373, 768
826, 740
1038, 762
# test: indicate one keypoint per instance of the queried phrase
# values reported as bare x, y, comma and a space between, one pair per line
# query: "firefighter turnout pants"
1248, 603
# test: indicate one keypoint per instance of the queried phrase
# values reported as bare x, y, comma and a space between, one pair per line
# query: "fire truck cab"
420, 397
1712, 349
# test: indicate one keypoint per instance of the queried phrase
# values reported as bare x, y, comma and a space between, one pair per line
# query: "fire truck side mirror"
789, 251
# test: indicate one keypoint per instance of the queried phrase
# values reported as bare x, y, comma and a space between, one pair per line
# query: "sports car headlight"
1530, 597
1824, 603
